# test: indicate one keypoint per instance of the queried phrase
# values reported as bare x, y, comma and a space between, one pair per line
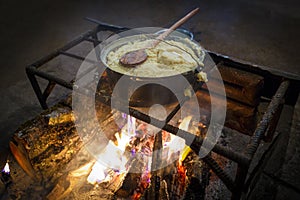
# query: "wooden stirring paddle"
136, 57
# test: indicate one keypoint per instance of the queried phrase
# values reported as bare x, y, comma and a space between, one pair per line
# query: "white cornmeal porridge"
168, 58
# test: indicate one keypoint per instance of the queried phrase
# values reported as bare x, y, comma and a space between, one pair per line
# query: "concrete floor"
262, 32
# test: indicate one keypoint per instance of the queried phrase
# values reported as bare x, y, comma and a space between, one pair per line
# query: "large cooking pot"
141, 91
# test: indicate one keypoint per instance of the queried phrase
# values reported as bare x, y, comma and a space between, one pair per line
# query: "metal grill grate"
276, 88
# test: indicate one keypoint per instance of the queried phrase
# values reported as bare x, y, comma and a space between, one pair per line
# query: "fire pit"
55, 165
61, 168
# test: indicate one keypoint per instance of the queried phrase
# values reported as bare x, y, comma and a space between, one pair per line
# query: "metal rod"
196, 142
225, 177
106, 26
268, 136
31, 70
71, 44
186, 98
35, 85
78, 57
96, 46
240, 178
237, 157
48, 89
50, 77
258, 135
175, 110
266, 119
94, 41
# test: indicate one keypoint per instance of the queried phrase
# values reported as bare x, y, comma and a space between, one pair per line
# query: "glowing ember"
184, 125
6, 168
181, 178
136, 132
143, 185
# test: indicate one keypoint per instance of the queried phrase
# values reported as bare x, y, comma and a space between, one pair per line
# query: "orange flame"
113, 155
143, 185
181, 177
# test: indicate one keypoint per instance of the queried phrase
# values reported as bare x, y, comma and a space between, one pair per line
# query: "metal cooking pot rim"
124, 40
181, 30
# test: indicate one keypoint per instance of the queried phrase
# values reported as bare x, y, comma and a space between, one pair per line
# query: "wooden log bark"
241, 94
238, 116
156, 178
239, 85
131, 180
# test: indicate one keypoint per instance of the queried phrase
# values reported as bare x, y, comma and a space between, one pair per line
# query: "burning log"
69, 182
50, 142
18, 150
44, 145
73, 183
156, 178
131, 181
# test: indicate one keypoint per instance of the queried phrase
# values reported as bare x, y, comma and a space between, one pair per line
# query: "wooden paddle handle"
175, 26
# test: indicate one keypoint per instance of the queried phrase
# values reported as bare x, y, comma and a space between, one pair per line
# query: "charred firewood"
131, 180
163, 192
18, 150
154, 190
198, 177
47, 143
51, 149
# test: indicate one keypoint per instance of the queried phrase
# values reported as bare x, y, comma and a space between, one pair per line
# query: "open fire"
127, 167
6, 168
65, 170
5, 178
138, 139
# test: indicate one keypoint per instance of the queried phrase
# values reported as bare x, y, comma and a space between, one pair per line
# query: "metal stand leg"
36, 88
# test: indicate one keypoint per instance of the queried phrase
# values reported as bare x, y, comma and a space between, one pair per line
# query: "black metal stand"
243, 159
